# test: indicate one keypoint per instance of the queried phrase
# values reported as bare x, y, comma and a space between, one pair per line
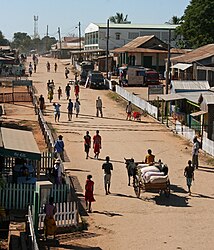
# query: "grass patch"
210, 161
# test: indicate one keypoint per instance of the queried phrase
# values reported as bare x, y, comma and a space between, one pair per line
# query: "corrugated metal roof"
195, 55
164, 26
182, 66
18, 143
139, 50
138, 41
170, 97
190, 85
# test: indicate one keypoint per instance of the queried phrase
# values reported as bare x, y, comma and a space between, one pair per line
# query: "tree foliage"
3, 40
197, 24
118, 18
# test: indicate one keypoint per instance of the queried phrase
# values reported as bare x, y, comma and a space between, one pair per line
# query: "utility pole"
60, 44
80, 40
47, 39
168, 63
107, 48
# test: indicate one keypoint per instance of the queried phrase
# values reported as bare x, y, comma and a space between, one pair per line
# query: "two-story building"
121, 34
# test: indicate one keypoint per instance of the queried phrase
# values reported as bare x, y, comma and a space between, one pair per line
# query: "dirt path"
120, 220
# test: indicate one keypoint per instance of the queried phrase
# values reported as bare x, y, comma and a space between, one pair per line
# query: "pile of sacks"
154, 174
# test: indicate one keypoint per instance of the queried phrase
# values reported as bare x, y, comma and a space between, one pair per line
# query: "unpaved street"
120, 220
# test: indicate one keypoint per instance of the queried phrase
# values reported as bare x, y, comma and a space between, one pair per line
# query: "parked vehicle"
86, 66
139, 76
96, 80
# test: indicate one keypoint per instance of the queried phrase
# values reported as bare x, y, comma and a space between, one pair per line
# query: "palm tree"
175, 20
118, 18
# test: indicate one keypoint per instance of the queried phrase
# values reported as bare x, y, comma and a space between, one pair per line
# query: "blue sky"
17, 15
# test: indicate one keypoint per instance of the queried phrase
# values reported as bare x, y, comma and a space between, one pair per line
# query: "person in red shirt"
89, 193
87, 143
76, 90
97, 144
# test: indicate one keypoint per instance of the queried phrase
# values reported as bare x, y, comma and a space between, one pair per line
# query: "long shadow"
173, 201
123, 196
177, 189
109, 214
206, 169
103, 159
197, 195
76, 170
78, 247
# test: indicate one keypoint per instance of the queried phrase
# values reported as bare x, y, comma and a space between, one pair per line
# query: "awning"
19, 144
181, 66
171, 97
201, 112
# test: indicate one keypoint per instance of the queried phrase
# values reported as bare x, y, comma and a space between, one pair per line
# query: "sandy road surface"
120, 220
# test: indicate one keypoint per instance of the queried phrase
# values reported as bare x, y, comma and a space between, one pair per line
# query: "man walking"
66, 72
189, 174
87, 143
129, 110
59, 147
67, 90
70, 110
97, 144
107, 167
99, 106
195, 150
56, 111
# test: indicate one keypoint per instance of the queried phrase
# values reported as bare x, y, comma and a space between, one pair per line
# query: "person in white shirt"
99, 107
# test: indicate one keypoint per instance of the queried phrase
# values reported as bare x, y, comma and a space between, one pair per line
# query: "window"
117, 36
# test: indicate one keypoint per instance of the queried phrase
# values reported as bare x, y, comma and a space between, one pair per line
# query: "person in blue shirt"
59, 147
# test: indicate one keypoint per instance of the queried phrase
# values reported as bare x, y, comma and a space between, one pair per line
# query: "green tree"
22, 41
3, 40
119, 18
175, 20
197, 24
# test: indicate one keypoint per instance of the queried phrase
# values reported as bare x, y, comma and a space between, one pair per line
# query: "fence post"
36, 211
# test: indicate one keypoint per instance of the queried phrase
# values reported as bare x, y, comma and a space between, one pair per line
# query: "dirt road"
120, 220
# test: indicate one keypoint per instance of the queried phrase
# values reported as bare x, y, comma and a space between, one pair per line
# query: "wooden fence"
66, 215
31, 236
15, 97
19, 196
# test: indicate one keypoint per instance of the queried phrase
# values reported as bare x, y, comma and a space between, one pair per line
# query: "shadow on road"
109, 214
124, 196
177, 189
206, 169
173, 201
197, 195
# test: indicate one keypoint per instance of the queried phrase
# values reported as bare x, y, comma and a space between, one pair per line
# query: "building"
195, 65
121, 34
68, 44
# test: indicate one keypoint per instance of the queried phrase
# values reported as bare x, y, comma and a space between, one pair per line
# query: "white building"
120, 34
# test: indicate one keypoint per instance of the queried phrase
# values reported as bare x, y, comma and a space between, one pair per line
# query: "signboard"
22, 83
155, 89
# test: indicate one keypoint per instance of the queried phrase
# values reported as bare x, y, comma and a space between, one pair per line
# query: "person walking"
50, 94
195, 150
89, 193
76, 90
34, 67
87, 143
59, 93
70, 110
97, 144
99, 107
56, 111
58, 171
42, 103
77, 106
66, 72
59, 147
30, 69
67, 90
107, 167
50, 227
48, 66
129, 110
55, 67
189, 174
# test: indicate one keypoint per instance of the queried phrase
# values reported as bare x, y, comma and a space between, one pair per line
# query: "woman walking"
49, 222
89, 193
77, 107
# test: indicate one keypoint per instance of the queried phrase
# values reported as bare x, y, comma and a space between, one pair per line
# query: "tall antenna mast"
36, 34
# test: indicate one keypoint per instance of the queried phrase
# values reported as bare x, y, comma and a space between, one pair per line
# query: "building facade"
120, 34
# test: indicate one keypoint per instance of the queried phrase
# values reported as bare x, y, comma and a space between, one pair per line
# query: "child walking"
189, 174
89, 193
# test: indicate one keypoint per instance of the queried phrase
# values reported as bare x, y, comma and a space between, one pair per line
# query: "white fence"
208, 145
31, 234
65, 216
140, 103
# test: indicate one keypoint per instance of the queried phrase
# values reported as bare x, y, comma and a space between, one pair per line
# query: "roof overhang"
181, 66
18, 144
201, 112
171, 97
